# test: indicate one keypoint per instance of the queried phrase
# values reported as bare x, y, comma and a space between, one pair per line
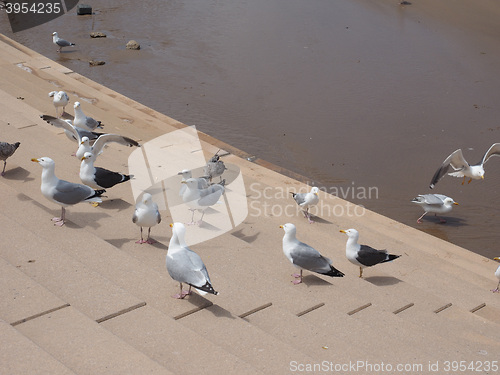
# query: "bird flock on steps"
200, 193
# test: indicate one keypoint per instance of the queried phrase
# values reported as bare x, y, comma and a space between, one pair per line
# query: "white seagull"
462, 169
60, 42
97, 177
146, 214
187, 174
98, 146
306, 200
61, 99
185, 266
200, 199
363, 255
304, 256
62, 192
83, 121
497, 274
437, 203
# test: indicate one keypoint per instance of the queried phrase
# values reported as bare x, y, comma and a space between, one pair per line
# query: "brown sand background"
350, 94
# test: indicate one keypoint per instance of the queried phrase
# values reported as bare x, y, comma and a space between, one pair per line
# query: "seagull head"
449, 201
289, 228
186, 173
146, 198
87, 156
44, 162
191, 183
351, 233
178, 231
54, 33
76, 105
85, 141
315, 190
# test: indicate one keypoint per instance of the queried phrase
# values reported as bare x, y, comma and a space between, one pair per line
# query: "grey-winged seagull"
436, 203
306, 200
200, 199
60, 42
146, 214
83, 121
60, 99
98, 146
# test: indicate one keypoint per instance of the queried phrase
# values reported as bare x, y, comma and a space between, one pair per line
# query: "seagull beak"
281, 226
342, 231
183, 182
497, 259
180, 173
482, 177
171, 225
456, 203
83, 158
35, 160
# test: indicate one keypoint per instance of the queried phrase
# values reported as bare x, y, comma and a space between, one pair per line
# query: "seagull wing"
59, 123
494, 150
99, 144
455, 160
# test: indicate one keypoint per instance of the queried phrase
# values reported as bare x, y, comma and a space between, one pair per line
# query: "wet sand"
356, 96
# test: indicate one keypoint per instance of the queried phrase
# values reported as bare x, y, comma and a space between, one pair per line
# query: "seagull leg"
192, 217
361, 272
497, 288
59, 221
309, 217
4, 165
150, 240
419, 220
469, 181
297, 276
201, 220
141, 240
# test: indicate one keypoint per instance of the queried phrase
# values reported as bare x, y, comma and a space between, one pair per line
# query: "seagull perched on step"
306, 200
61, 99
437, 203
185, 266
200, 198
83, 121
62, 192
6, 151
99, 178
462, 169
146, 214
215, 167
363, 255
60, 42
304, 256
497, 274
187, 174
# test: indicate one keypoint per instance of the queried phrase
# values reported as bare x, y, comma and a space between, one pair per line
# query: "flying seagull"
146, 214
60, 42
437, 203
62, 192
99, 178
83, 121
304, 256
61, 99
363, 255
461, 168
185, 266
306, 200
6, 151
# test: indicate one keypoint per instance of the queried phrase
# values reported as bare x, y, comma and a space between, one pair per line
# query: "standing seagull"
437, 203
83, 121
6, 151
61, 99
60, 42
146, 214
304, 256
363, 255
186, 174
215, 167
62, 192
185, 266
200, 199
497, 274
99, 178
306, 200
462, 169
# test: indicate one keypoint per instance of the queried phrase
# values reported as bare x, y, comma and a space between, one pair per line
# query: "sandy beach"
87, 299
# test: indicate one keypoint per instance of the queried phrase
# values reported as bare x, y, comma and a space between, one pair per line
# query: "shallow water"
351, 94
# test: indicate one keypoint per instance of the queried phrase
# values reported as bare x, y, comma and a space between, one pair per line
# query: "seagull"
60, 42
462, 169
61, 99
304, 256
62, 192
437, 203
363, 255
83, 121
497, 274
98, 146
306, 200
74, 133
200, 199
6, 151
186, 174
215, 167
146, 214
185, 266
99, 178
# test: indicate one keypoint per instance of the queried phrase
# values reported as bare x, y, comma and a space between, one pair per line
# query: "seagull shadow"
311, 280
318, 219
383, 280
450, 221
18, 174
249, 239
115, 204
220, 312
